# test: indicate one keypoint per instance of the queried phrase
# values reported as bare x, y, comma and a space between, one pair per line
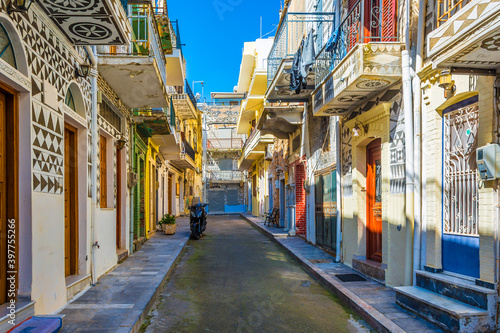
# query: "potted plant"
168, 224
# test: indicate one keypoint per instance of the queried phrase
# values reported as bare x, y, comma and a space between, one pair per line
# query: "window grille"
460, 185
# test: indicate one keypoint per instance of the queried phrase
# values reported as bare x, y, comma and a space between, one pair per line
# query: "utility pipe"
408, 116
93, 174
417, 153
132, 162
338, 250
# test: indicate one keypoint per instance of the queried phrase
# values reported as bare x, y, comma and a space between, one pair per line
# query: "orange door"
70, 203
374, 202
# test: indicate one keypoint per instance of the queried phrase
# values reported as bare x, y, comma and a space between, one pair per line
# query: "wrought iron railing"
374, 24
252, 136
447, 8
217, 175
292, 30
189, 92
188, 150
221, 144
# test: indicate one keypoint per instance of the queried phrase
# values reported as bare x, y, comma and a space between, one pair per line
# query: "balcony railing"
254, 132
225, 175
377, 23
145, 39
189, 92
448, 8
188, 150
291, 32
221, 144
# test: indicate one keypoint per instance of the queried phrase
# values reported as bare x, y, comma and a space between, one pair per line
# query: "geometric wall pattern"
47, 149
397, 148
53, 60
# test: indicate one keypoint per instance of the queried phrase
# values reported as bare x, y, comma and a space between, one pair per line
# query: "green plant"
167, 219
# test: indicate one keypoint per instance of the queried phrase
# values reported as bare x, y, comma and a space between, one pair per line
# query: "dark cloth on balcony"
295, 77
302, 64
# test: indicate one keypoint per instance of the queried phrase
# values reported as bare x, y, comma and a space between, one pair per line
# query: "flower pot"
169, 229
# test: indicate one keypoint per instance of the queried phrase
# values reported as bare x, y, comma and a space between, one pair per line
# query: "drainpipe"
417, 153
408, 113
496, 124
338, 252
132, 163
93, 174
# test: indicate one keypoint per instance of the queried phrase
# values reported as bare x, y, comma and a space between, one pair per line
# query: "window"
103, 173
6, 49
226, 165
70, 101
108, 113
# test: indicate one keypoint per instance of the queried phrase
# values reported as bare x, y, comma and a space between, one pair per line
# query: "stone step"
458, 289
23, 310
443, 311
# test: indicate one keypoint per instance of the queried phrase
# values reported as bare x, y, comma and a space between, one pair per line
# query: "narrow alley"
237, 280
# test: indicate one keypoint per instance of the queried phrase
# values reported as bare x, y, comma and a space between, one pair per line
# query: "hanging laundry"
308, 57
333, 41
295, 77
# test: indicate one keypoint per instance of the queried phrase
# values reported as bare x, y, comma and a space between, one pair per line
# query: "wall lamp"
447, 84
121, 143
18, 6
82, 70
358, 127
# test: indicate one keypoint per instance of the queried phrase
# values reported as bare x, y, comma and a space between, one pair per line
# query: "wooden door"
374, 202
118, 197
170, 194
70, 202
3, 203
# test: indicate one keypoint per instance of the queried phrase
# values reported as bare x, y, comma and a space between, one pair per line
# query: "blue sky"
214, 32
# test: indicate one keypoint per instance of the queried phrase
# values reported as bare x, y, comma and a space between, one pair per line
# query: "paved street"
237, 280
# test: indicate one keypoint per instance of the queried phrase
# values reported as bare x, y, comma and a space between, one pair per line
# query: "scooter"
198, 220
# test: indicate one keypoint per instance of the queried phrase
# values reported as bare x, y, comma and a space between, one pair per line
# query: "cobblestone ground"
236, 280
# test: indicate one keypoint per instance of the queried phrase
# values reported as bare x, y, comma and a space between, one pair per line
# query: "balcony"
361, 59
467, 36
255, 148
90, 23
224, 144
137, 72
172, 47
185, 103
288, 38
218, 176
281, 119
185, 159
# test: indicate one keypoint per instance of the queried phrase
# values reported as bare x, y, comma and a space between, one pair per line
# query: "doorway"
326, 210
70, 201
8, 185
170, 194
118, 198
374, 201
460, 238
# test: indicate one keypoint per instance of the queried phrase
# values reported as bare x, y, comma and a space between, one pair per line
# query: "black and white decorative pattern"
89, 22
347, 162
397, 140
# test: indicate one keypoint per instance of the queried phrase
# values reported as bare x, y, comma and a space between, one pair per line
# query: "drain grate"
350, 277
321, 261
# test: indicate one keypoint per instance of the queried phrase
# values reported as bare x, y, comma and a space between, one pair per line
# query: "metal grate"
350, 277
461, 199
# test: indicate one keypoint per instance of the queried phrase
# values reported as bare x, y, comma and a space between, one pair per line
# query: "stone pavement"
121, 299
375, 302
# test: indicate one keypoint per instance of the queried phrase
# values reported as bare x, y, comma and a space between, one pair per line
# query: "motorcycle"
198, 220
